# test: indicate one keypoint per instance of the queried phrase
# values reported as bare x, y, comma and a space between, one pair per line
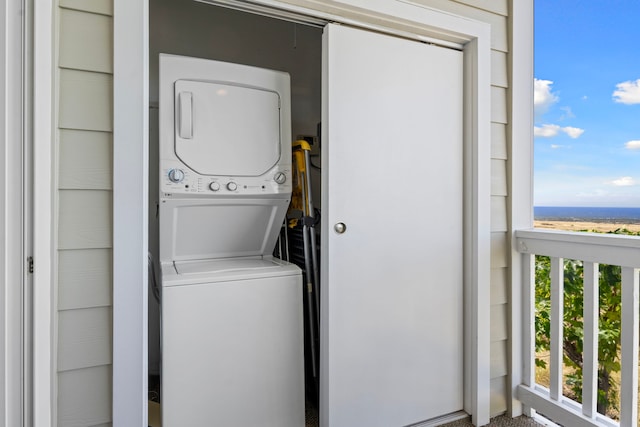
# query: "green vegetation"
609, 326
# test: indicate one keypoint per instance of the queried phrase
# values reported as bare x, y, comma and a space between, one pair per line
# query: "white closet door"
392, 300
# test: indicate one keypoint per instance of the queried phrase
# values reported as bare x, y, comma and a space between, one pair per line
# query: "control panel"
176, 178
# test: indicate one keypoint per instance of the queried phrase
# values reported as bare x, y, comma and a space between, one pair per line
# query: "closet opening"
211, 32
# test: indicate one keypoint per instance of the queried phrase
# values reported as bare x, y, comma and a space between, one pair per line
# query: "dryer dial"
232, 186
176, 175
280, 178
214, 186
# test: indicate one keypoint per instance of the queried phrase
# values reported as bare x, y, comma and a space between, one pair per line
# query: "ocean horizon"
589, 214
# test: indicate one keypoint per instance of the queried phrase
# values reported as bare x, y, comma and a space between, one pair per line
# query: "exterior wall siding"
85, 117
84, 177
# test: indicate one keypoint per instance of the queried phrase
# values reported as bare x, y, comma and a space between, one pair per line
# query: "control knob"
214, 186
280, 178
232, 186
176, 175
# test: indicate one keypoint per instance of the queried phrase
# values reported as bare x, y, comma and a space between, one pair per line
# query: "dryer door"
227, 130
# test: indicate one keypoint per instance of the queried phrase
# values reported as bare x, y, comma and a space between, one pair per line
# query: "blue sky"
587, 103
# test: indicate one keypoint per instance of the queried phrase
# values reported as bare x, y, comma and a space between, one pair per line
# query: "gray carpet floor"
502, 421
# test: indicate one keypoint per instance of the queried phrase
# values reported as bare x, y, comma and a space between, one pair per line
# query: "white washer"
232, 344
232, 339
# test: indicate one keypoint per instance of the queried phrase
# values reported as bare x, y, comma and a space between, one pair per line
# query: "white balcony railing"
592, 249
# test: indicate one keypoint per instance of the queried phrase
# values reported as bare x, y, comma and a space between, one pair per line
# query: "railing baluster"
590, 344
529, 331
557, 315
629, 343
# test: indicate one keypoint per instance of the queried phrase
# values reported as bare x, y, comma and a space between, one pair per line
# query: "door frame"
13, 306
26, 298
42, 52
403, 18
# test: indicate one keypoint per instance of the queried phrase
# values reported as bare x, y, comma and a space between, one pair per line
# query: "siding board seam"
91, 12
86, 307
84, 70
474, 6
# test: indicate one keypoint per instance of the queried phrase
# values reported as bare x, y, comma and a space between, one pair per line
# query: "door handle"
340, 227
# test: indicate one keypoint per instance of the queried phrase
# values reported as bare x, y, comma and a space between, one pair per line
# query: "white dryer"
232, 340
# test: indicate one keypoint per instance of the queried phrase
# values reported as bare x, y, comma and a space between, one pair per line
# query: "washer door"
224, 129
224, 227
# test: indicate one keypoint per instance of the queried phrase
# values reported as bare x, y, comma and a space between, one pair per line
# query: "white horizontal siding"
86, 160
499, 177
499, 141
499, 224
104, 7
499, 283
498, 213
84, 338
499, 359
498, 396
499, 7
498, 104
86, 100
85, 219
499, 250
86, 41
84, 397
499, 322
499, 69
84, 278
85, 171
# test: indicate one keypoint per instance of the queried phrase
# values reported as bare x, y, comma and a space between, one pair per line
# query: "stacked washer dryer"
232, 339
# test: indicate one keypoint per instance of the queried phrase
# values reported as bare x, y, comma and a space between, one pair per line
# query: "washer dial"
176, 175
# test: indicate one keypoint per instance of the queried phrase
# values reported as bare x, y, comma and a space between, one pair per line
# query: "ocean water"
599, 214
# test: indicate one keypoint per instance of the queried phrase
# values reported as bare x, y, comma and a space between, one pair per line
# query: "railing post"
557, 316
629, 340
528, 324
590, 345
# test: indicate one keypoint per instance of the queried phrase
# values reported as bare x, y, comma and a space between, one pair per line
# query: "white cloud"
550, 131
555, 146
627, 92
625, 181
543, 97
633, 145
568, 114
573, 132
546, 131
